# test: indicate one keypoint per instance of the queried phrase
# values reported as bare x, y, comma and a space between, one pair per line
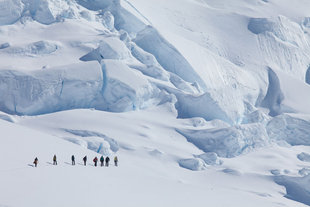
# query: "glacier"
192, 85
129, 48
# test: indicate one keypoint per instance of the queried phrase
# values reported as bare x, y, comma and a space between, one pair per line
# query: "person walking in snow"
115, 160
85, 160
73, 160
95, 161
102, 161
35, 162
54, 160
107, 160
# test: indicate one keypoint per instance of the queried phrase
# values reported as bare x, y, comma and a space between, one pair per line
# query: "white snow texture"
199, 82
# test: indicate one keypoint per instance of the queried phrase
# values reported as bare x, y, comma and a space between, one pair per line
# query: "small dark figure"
95, 161
35, 162
107, 160
84, 160
102, 161
73, 160
54, 160
115, 160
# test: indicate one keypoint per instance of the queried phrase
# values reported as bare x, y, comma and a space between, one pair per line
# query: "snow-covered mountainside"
204, 102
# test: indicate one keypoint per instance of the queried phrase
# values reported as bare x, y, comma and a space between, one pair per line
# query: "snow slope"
148, 173
201, 100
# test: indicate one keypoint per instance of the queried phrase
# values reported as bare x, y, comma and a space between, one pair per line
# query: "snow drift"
296, 188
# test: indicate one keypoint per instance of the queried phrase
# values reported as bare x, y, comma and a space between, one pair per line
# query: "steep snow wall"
205, 106
50, 90
297, 188
113, 86
167, 55
123, 19
283, 44
209, 79
274, 96
10, 11
48, 12
307, 79
109, 48
95, 4
124, 89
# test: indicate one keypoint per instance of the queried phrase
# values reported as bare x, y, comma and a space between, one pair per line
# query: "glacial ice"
6, 117
275, 172
95, 4
219, 92
304, 157
132, 54
260, 25
304, 171
48, 12
179, 83
154, 61
204, 106
109, 48
87, 15
144, 57
231, 171
228, 142
125, 89
194, 164
210, 158
45, 91
283, 45
113, 87
274, 96
297, 188
41, 12
92, 143
167, 55
307, 79
257, 116
113, 48
4, 45
152, 71
293, 130
150, 65
10, 11
306, 22
108, 20
96, 140
42, 47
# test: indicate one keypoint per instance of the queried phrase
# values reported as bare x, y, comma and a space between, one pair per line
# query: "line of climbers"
95, 160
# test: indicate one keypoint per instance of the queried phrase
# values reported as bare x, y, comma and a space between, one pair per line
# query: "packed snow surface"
204, 102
